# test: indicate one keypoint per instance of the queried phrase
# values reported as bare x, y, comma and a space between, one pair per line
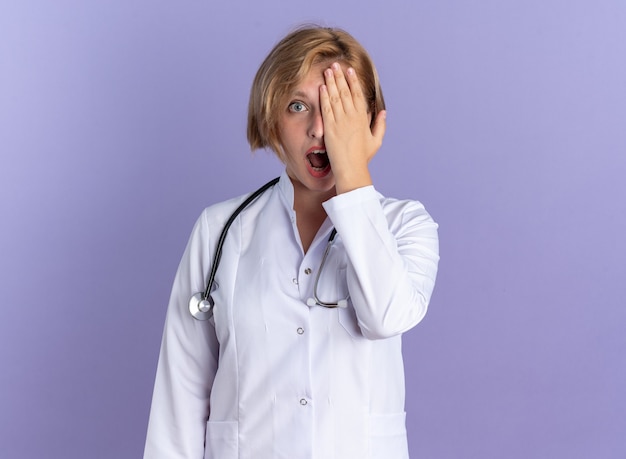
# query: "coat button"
308, 271
303, 401
300, 330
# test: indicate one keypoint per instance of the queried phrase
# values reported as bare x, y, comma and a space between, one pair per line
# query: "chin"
324, 185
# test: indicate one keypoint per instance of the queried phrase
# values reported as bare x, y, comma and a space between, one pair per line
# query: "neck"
307, 201
309, 211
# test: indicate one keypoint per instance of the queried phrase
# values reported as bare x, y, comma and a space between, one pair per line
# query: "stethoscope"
201, 304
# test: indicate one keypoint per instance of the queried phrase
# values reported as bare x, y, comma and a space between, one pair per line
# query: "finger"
333, 92
325, 105
358, 97
343, 88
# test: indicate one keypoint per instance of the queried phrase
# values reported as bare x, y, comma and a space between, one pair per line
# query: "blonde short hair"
288, 63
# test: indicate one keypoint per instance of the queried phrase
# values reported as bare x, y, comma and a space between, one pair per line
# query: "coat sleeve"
187, 362
393, 254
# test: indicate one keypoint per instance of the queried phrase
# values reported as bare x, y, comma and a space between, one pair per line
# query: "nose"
316, 127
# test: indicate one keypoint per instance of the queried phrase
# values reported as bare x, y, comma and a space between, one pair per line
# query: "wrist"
350, 180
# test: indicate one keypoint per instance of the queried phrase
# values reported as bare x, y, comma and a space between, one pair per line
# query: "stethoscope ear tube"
201, 304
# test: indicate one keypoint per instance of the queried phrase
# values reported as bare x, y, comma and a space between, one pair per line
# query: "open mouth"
318, 160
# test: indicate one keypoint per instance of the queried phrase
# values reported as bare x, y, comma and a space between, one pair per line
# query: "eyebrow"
300, 93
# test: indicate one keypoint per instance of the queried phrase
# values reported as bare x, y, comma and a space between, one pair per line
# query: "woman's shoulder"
218, 213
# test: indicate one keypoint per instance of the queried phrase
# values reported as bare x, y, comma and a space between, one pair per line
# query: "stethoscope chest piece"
201, 308
201, 304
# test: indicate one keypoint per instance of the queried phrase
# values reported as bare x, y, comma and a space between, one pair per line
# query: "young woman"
319, 276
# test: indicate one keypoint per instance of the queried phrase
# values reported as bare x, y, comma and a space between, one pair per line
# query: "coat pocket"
388, 436
221, 441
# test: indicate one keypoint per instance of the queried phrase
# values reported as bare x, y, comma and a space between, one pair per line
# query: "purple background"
121, 120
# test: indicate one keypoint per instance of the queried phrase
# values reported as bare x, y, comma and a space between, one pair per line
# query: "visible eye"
297, 107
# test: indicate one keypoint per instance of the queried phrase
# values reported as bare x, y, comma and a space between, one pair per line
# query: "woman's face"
301, 132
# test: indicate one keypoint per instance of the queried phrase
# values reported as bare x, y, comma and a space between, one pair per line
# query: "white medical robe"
270, 377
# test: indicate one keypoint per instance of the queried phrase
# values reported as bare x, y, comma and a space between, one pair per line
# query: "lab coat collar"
285, 188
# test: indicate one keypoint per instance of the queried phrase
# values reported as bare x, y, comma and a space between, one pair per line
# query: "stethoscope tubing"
222, 238
201, 304
315, 300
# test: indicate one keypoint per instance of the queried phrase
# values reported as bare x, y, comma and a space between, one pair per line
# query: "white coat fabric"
270, 377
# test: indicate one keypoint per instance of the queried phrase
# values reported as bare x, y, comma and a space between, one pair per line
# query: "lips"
318, 160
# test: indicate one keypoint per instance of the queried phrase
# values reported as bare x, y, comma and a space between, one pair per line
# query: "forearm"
392, 260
